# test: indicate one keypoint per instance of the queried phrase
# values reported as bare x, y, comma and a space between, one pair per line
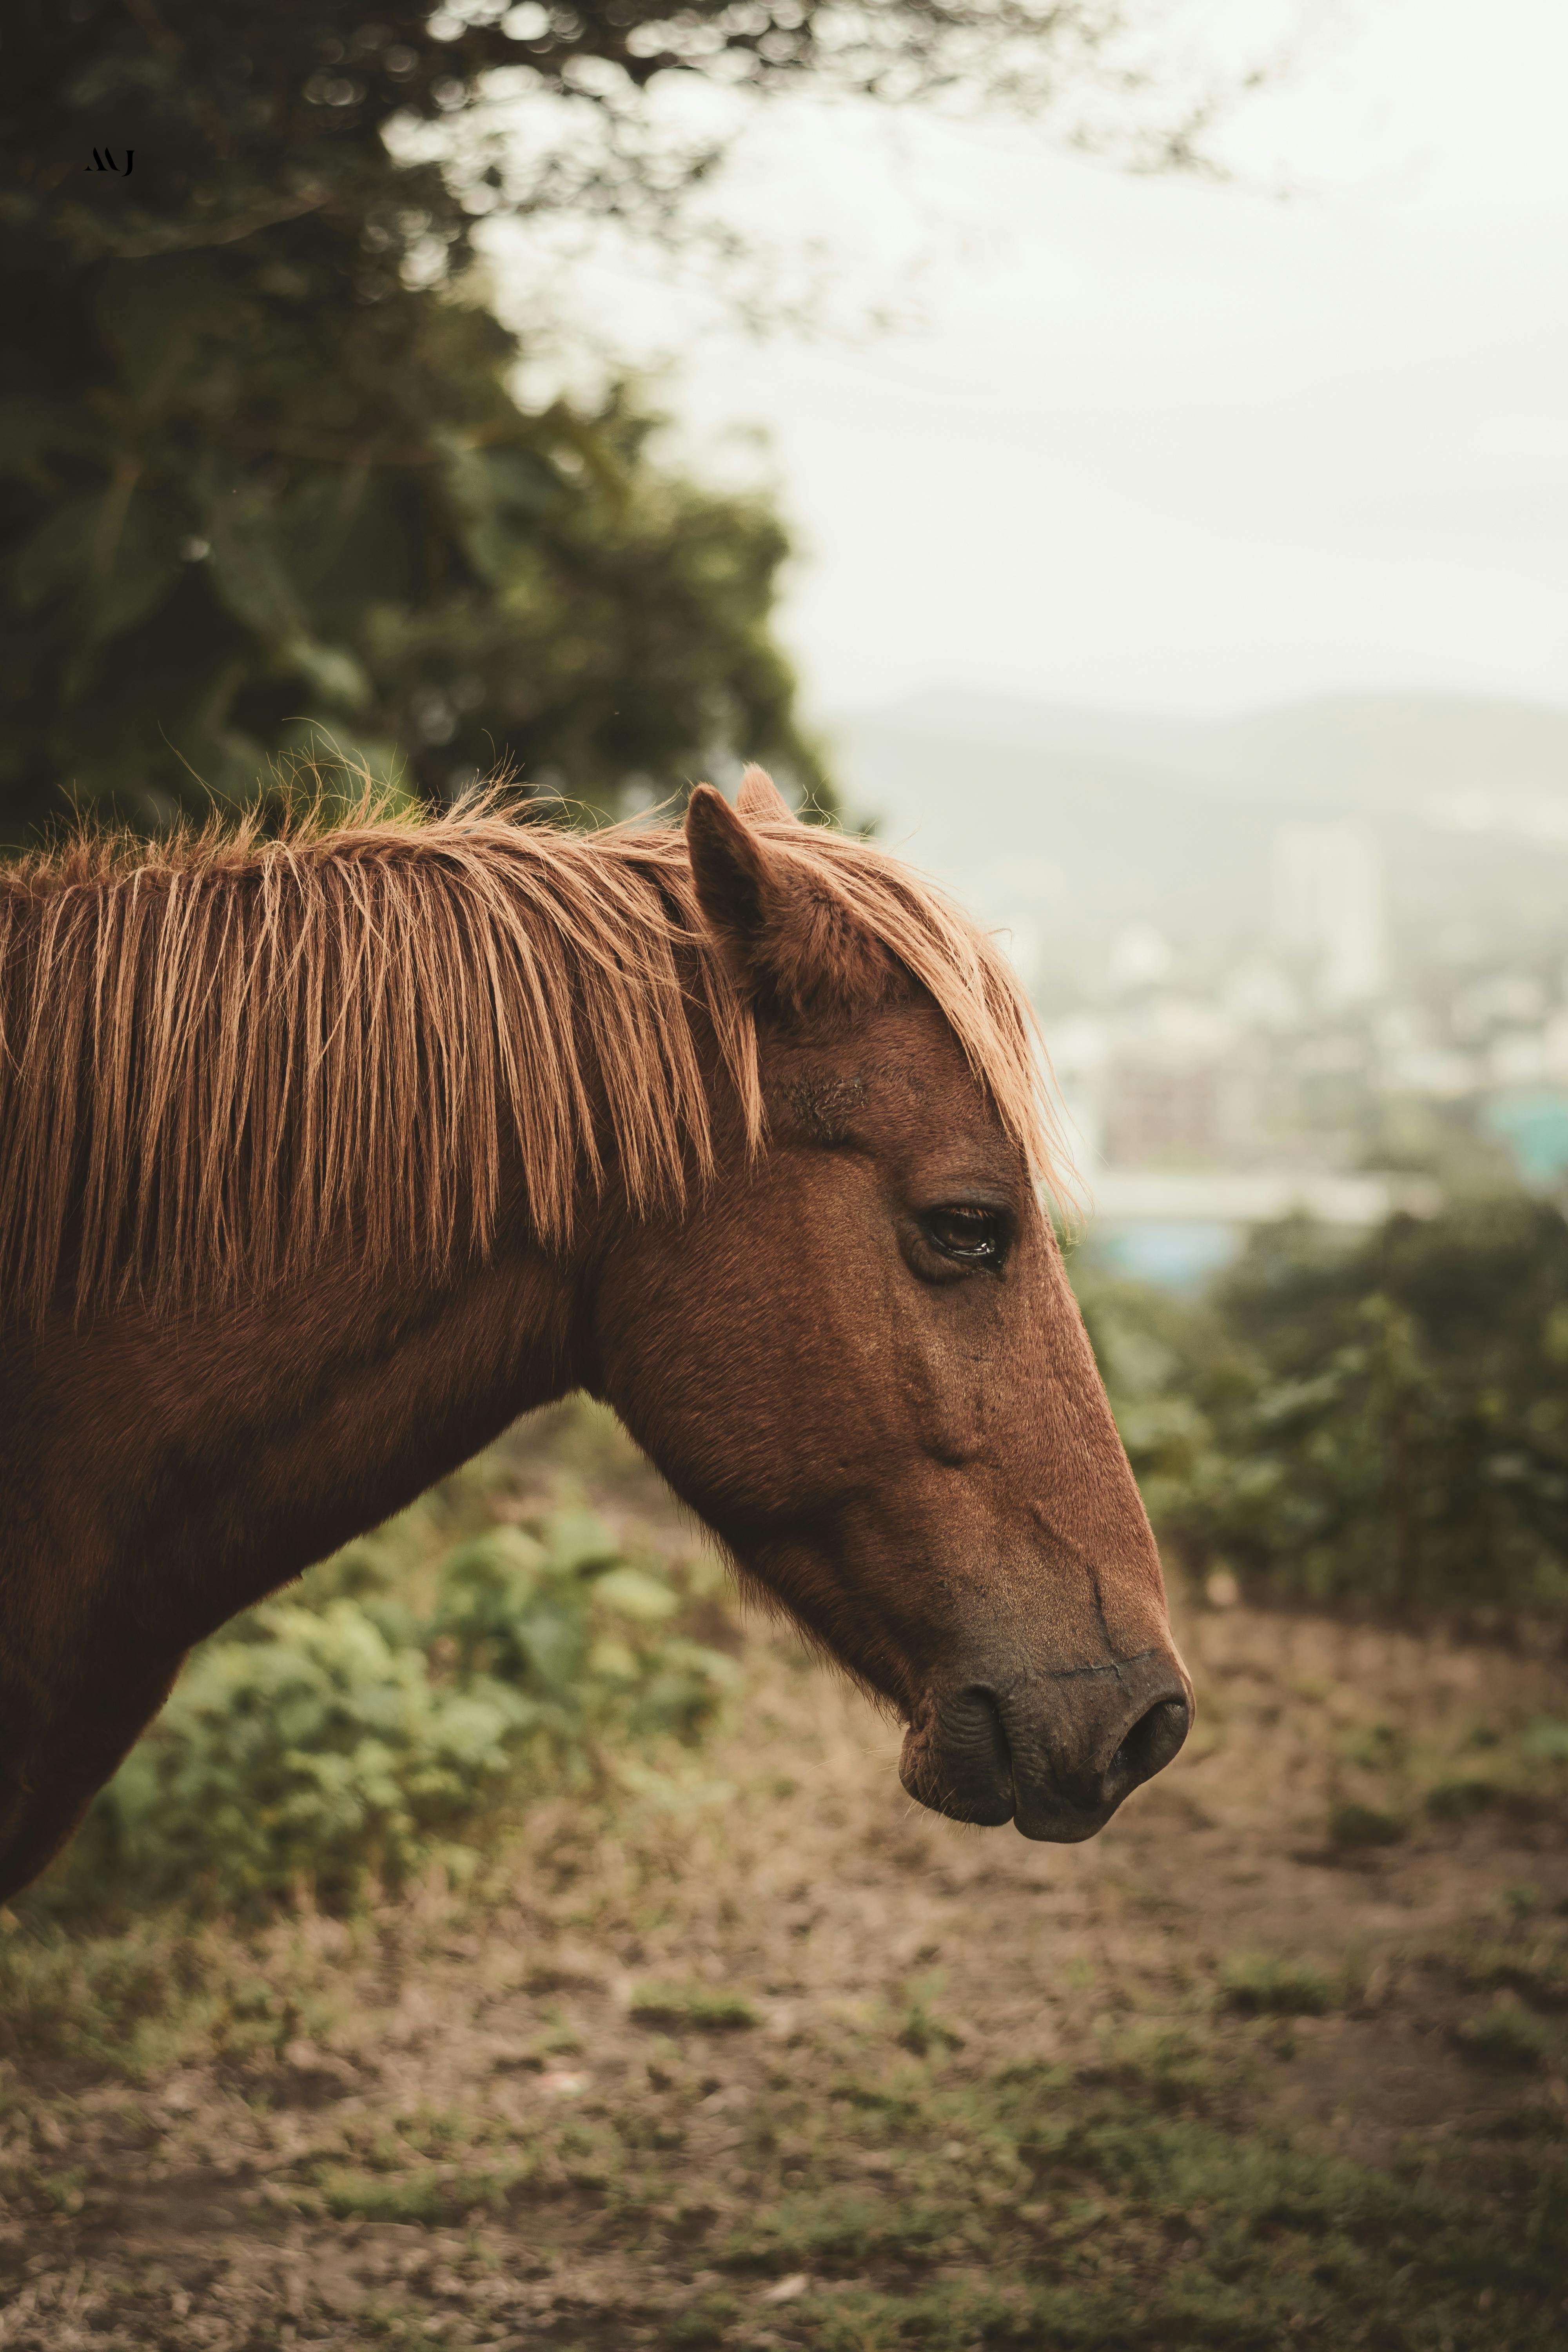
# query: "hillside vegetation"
1380, 1427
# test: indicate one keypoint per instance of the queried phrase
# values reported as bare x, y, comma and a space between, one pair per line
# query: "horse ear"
737, 892
760, 800
788, 938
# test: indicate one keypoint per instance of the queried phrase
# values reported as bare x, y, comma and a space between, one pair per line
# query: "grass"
433, 2194
398, 2328
1537, 1971
124, 2005
1260, 1985
1462, 1797
698, 2008
806, 2072
1506, 2035
1358, 1826
1102, 2227
708, 2320
910, 2193
922, 2030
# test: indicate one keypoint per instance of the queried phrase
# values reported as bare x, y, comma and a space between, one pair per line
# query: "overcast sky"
1162, 445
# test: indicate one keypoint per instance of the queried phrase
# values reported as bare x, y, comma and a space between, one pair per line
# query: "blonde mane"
220, 1050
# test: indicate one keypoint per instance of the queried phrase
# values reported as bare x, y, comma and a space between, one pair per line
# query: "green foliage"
354, 1735
266, 488
1386, 1424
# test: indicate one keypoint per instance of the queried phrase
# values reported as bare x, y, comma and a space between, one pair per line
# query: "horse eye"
972, 1235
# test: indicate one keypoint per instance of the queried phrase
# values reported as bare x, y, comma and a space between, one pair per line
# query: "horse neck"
204, 1459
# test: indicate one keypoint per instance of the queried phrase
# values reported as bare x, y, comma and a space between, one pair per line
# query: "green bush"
353, 1733
1385, 1424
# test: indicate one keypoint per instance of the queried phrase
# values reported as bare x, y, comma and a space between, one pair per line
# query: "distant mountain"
1410, 752
1073, 823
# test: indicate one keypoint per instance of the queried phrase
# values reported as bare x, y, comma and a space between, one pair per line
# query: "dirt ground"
743, 2050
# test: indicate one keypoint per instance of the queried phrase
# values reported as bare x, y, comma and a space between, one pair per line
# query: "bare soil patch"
740, 2049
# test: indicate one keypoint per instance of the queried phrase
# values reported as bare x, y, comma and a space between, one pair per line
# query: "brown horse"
322, 1159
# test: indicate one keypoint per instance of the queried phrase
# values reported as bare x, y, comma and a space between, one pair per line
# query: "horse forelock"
219, 1051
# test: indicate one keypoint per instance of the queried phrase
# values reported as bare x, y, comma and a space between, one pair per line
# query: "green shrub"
318, 1751
1383, 1424
351, 1734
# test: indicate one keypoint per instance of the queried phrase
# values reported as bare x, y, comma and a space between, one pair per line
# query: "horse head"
856, 1356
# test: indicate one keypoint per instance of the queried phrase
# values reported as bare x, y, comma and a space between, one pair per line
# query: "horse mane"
219, 1049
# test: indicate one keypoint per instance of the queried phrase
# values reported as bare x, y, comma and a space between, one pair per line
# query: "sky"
1150, 442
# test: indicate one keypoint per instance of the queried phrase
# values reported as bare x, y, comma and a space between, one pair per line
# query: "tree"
264, 483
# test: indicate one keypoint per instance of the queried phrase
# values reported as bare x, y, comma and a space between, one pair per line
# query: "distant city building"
1260, 996
1330, 910
1497, 999
1439, 1073
1209, 1087
1168, 1083
1158, 1110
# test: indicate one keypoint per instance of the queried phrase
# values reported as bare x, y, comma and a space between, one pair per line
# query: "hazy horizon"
1152, 443
954, 689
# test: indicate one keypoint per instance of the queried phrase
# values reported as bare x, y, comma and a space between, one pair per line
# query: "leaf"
152, 315
31, 428
576, 1540
58, 555
522, 482
500, 1554
118, 557
633, 1593
494, 490
143, 570
553, 1641
614, 1660
335, 674
247, 576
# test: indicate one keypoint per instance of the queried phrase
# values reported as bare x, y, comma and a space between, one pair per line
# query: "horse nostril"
1148, 1747
1001, 1746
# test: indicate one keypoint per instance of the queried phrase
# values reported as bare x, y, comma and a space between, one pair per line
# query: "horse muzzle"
1053, 1752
